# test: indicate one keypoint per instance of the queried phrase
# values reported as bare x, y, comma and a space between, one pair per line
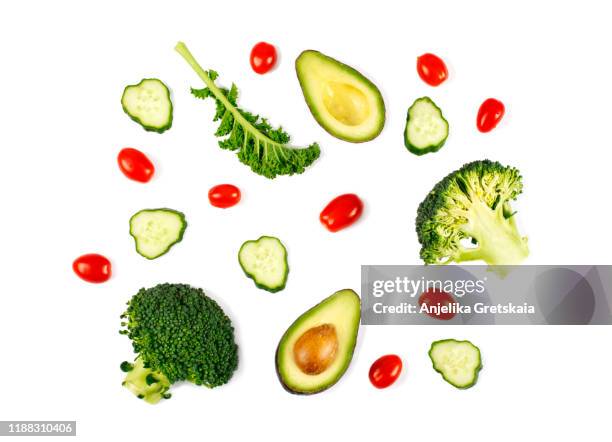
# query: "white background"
64, 66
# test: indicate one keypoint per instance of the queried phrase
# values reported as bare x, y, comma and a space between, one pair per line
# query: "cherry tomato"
135, 165
490, 113
263, 57
341, 212
224, 195
385, 371
438, 298
431, 69
92, 268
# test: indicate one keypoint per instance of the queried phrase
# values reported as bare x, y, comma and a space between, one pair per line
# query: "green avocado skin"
285, 386
251, 276
348, 357
351, 72
429, 149
476, 371
158, 130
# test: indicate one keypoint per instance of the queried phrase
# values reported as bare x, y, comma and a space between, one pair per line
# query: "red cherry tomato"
135, 165
438, 298
490, 113
224, 195
341, 212
92, 268
263, 57
385, 371
431, 69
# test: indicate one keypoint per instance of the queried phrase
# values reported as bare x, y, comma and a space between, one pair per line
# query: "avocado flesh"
344, 102
342, 311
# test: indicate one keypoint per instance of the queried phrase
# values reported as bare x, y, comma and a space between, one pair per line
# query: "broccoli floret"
179, 334
472, 204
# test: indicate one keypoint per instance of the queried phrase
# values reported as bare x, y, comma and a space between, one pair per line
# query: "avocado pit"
316, 349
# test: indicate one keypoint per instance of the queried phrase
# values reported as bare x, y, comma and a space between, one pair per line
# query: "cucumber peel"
148, 103
426, 128
458, 362
265, 261
155, 231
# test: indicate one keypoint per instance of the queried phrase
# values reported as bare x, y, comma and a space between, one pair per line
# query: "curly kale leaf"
257, 144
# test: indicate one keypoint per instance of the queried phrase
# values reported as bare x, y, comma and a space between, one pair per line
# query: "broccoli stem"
145, 383
499, 242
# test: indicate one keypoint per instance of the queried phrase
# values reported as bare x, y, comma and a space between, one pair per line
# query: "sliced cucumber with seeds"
156, 231
458, 362
426, 129
265, 262
148, 103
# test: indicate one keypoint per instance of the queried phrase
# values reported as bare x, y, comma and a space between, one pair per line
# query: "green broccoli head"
180, 334
472, 206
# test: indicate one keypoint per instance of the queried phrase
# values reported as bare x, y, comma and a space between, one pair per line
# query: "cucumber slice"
457, 361
155, 231
265, 262
148, 103
426, 129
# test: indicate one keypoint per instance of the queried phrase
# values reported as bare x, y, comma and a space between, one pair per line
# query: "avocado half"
317, 348
344, 102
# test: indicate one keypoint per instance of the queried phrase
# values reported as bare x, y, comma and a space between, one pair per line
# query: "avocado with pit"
344, 102
317, 348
